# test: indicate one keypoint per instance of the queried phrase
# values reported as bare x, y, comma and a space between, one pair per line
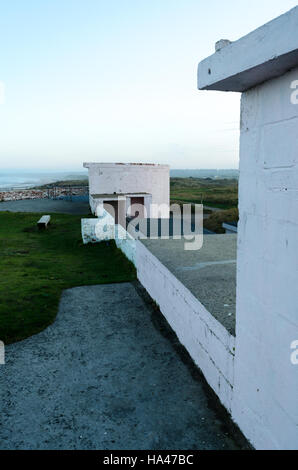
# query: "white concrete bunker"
129, 189
264, 66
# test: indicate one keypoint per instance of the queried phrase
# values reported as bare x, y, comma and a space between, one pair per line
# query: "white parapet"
126, 243
99, 229
103, 228
208, 342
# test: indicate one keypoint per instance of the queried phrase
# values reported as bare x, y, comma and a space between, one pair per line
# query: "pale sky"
115, 80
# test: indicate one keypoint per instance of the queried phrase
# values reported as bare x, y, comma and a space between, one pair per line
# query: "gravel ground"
105, 375
46, 206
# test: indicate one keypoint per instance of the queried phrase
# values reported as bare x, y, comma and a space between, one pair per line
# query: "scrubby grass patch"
221, 193
215, 220
35, 266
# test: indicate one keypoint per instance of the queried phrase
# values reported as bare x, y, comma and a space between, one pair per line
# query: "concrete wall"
126, 243
93, 204
104, 228
264, 66
265, 403
207, 341
99, 229
109, 178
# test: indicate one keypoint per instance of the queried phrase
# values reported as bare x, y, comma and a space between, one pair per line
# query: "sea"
13, 180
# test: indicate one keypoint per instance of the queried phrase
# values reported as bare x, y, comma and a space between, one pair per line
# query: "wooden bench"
43, 222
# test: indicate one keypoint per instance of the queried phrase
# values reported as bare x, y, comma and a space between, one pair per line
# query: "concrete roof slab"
209, 273
266, 53
141, 166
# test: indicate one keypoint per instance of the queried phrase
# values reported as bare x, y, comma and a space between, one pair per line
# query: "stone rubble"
15, 195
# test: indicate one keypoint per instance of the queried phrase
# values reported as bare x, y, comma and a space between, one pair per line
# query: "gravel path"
46, 206
105, 376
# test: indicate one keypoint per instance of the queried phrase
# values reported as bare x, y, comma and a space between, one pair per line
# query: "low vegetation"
65, 184
35, 266
221, 193
216, 219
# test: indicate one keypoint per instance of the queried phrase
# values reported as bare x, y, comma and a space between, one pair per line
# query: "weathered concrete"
266, 381
266, 53
265, 399
209, 273
129, 179
208, 342
105, 375
46, 205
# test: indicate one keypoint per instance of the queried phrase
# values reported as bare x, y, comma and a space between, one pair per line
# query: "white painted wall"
109, 178
99, 229
265, 401
210, 345
126, 243
104, 228
264, 64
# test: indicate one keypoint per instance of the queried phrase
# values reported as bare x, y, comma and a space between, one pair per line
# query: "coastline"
49, 192
16, 195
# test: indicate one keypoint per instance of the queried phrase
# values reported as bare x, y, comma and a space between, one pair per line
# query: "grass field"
221, 193
35, 266
65, 184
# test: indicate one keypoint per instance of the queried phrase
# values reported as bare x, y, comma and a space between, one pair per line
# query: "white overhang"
266, 53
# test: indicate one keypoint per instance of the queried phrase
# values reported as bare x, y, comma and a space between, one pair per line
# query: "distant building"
129, 189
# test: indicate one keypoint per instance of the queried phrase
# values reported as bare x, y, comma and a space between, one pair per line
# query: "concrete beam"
266, 53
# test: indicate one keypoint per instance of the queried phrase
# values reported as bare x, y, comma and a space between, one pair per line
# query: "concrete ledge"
266, 53
209, 273
229, 227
